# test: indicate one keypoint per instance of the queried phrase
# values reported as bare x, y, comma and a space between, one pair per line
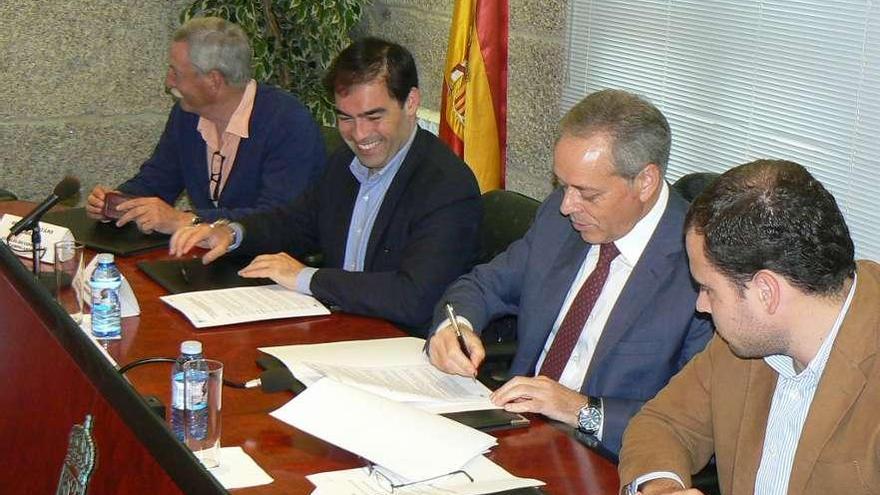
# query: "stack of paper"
414, 444
396, 369
360, 397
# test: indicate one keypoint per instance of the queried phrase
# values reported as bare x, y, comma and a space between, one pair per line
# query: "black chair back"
691, 185
507, 215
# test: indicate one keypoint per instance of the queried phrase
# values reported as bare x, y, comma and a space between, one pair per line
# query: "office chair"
7, 196
507, 215
691, 185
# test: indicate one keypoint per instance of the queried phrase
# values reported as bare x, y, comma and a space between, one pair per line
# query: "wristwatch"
195, 220
589, 417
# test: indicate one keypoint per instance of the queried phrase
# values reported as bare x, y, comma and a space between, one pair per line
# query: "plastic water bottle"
192, 402
105, 284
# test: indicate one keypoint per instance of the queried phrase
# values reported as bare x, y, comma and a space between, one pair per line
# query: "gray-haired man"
235, 146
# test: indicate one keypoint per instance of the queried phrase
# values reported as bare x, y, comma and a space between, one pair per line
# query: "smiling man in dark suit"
600, 281
396, 215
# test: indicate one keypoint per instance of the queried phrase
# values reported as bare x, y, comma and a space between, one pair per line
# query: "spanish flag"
473, 112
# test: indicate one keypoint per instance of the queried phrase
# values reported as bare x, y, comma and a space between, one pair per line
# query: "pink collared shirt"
227, 143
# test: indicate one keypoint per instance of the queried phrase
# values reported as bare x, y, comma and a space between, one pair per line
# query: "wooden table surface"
545, 450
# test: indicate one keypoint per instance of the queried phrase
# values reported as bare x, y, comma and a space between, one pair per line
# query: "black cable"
151, 360
140, 362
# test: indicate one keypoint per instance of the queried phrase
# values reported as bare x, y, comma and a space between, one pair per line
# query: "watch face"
590, 419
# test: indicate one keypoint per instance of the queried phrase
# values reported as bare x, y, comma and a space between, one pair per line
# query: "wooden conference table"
545, 450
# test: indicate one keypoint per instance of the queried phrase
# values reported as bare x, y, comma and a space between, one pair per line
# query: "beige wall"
81, 89
536, 71
82, 84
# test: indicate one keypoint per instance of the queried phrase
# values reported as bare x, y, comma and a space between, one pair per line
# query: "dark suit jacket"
425, 235
283, 154
720, 403
651, 333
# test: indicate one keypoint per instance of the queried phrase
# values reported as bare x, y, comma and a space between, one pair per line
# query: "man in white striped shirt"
787, 394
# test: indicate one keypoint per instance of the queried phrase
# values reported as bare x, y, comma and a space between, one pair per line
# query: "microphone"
65, 189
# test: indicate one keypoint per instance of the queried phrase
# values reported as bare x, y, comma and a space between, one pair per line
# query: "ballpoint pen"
184, 273
450, 313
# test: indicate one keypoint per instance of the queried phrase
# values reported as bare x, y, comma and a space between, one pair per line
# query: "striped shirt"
788, 411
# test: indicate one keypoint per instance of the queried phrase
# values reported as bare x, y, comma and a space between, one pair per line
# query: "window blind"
741, 80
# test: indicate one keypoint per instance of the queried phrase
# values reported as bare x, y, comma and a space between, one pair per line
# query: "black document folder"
188, 275
489, 419
106, 237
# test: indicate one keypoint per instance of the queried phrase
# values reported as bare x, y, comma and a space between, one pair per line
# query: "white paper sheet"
412, 443
409, 383
488, 477
210, 308
239, 470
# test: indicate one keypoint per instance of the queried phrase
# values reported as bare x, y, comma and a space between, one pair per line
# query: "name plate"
21, 244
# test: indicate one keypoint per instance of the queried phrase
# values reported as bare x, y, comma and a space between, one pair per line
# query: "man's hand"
666, 486
95, 203
540, 395
216, 239
152, 214
281, 268
445, 352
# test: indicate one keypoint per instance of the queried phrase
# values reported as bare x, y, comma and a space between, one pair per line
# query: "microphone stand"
35, 250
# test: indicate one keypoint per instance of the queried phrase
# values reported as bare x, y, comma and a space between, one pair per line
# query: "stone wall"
81, 89
536, 71
81, 84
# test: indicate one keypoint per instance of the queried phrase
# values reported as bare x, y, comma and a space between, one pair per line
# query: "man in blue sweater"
235, 146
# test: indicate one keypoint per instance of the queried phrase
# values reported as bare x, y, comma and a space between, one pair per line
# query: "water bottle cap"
105, 258
190, 347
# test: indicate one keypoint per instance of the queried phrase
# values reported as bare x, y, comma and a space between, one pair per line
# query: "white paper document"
487, 477
414, 444
412, 383
395, 368
209, 308
239, 470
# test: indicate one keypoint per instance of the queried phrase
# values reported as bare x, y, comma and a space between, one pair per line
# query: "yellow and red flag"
473, 112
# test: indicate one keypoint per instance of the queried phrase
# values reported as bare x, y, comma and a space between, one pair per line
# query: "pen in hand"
450, 313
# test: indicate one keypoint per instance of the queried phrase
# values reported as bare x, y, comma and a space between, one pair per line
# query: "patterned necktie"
573, 323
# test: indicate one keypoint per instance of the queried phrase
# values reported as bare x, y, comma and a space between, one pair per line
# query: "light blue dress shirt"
373, 186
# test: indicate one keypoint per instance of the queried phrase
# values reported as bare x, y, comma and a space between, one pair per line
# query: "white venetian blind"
741, 80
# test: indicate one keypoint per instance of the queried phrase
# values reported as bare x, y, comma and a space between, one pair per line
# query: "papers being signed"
412, 443
210, 308
396, 369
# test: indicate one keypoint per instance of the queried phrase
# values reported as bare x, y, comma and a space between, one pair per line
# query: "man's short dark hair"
774, 215
639, 132
369, 59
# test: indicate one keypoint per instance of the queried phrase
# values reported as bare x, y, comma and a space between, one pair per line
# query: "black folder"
189, 274
106, 237
489, 419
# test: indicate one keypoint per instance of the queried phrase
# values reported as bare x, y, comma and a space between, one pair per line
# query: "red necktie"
573, 323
